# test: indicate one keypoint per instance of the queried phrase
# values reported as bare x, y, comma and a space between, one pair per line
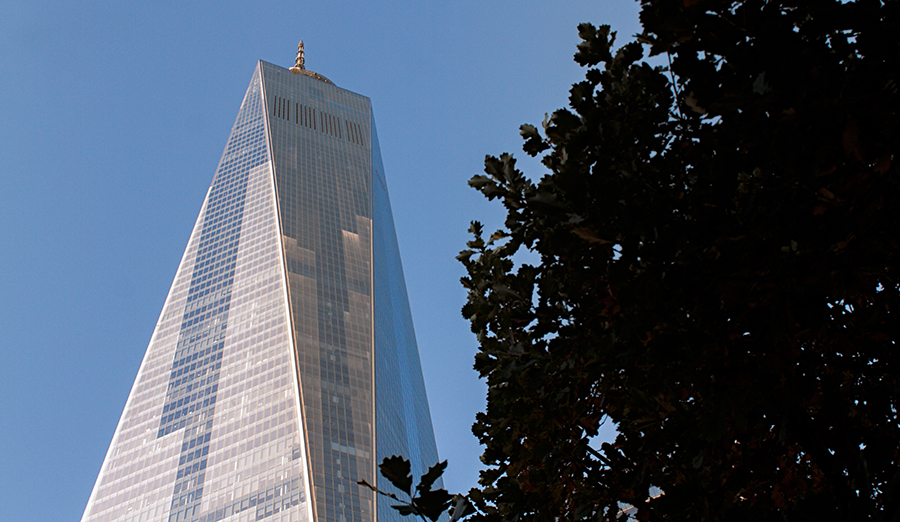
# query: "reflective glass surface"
403, 421
323, 176
211, 428
284, 364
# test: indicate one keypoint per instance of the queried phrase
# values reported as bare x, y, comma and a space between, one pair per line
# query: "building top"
300, 66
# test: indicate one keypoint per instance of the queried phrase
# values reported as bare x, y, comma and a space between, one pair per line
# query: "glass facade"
284, 364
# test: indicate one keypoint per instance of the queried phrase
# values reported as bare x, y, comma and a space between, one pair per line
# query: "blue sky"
113, 116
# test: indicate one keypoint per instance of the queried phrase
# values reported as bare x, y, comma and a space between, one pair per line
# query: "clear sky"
113, 116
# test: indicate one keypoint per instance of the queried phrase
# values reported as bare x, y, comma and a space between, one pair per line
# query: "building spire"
300, 63
300, 66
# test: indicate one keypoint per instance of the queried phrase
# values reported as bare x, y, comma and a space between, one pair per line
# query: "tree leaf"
397, 470
434, 472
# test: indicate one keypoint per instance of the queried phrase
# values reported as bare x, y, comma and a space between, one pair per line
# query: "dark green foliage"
426, 502
397, 470
718, 275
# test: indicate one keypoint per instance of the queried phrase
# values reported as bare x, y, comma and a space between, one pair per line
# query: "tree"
718, 275
424, 501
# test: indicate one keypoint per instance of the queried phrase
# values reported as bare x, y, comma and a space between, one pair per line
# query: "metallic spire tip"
300, 62
300, 66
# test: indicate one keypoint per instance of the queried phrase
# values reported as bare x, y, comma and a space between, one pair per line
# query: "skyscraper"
284, 364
